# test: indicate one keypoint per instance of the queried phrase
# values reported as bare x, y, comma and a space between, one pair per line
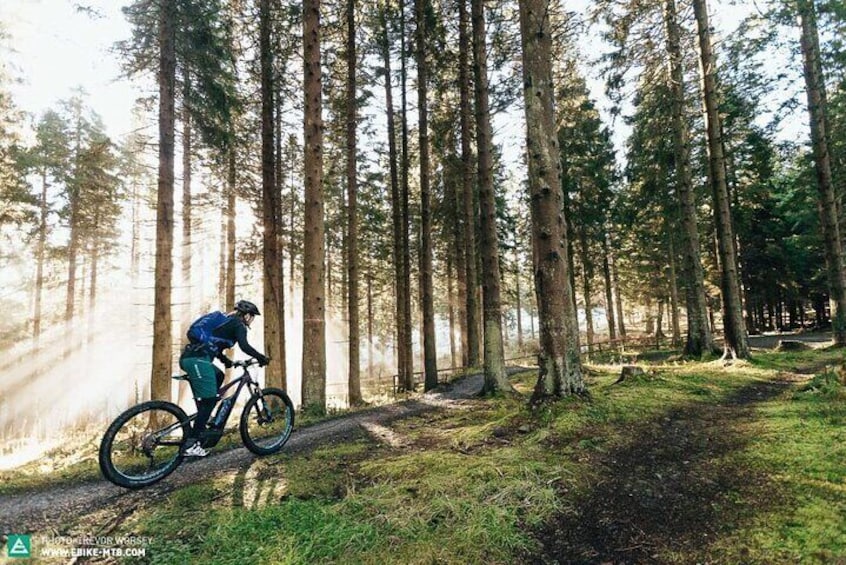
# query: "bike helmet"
247, 307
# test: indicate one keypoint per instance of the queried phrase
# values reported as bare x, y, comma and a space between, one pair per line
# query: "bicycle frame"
226, 405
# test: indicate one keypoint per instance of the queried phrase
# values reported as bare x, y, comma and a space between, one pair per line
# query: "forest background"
82, 186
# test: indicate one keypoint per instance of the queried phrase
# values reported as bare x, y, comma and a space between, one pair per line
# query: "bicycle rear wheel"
267, 421
142, 446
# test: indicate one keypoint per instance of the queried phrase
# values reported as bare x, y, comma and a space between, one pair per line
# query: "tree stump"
792, 345
629, 371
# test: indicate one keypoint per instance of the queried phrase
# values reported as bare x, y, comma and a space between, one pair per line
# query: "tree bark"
230, 231
618, 295
135, 245
560, 366
674, 292
469, 225
95, 260
699, 338
736, 343
314, 314
187, 311
39, 258
162, 363
271, 210
587, 278
408, 385
827, 198
370, 364
430, 361
453, 353
396, 206
519, 298
292, 251
609, 297
352, 213
496, 379
280, 232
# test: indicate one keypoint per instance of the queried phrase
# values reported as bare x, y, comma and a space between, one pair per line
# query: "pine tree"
560, 364
699, 338
736, 343
815, 89
496, 378
314, 322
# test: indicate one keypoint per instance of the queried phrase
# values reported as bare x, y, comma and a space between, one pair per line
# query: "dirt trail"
50, 509
668, 489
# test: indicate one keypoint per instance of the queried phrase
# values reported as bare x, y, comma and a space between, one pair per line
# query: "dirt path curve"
669, 489
50, 509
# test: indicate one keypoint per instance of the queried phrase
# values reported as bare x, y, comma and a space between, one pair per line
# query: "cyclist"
205, 377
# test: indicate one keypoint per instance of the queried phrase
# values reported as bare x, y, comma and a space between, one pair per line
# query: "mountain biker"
205, 377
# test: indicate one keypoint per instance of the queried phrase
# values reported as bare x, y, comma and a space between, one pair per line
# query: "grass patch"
479, 484
811, 360
801, 447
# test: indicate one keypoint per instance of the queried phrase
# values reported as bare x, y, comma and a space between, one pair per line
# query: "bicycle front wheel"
142, 446
267, 421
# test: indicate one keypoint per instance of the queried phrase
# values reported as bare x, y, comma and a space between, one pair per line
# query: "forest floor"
691, 462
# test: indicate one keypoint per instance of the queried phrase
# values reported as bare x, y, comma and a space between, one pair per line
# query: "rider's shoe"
196, 450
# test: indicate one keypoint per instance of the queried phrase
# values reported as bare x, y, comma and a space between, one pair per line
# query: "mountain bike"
144, 444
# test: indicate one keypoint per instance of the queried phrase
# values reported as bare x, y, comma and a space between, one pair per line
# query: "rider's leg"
203, 376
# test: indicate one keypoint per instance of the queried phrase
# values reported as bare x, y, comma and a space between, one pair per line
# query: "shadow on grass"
668, 492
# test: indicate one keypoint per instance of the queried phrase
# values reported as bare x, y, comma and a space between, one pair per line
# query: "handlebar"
247, 363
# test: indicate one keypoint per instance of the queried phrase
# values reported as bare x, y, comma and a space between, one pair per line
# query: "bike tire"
279, 399
107, 445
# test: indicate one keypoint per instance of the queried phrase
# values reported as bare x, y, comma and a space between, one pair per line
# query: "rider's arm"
241, 337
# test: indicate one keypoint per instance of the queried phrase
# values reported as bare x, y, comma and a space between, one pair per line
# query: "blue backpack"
200, 334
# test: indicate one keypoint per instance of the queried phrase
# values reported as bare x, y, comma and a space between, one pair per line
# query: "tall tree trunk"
650, 320
370, 364
73, 248
39, 259
457, 252
162, 316
406, 217
186, 310
230, 231
618, 295
135, 244
329, 294
827, 198
699, 339
280, 240
314, 314
396, 205
352, 212
271, 209
517, 277
95, 261
227, 258
609, 296
292, 251
496, 378
426, 290
469, 224
736, 343
587, 278
674, 291
560, 366
453, 354
221, 260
